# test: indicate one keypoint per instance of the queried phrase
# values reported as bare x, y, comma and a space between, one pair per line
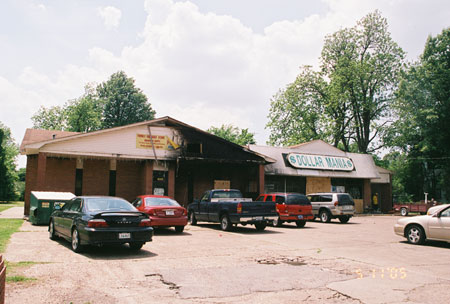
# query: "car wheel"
300, 224
260, 226
136, 245
76, 243
403, 212
192, 219
179, 229
51, 231
324, 216
277, 222
344, 219
225, 223
415, 235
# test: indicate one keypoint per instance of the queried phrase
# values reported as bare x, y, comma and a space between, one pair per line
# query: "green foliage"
123, 102
344, 102
113, 103
7, 228
85, 113
52, 118
234, 134
422, 116
8, 155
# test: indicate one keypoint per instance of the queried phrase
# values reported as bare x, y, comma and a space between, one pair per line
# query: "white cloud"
110, 15
207, 69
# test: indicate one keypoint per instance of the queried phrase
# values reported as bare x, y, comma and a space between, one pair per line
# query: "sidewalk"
13, 213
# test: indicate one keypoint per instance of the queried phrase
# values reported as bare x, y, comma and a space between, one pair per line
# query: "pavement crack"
171, 285
340, 295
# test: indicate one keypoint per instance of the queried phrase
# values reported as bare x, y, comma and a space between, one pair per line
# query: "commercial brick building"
162, 156
317, 166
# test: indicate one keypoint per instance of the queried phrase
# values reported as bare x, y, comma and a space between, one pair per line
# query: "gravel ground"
359, 262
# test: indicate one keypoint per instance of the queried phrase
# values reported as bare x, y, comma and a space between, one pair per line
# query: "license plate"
125, 235
258, 218
300, 217
170, 212
347, 208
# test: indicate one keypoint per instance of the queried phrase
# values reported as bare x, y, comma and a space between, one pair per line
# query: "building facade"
319, 167
163, 156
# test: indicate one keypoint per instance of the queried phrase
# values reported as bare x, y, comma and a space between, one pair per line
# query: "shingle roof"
37, 135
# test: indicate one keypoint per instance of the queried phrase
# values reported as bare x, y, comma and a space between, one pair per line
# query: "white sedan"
433, 226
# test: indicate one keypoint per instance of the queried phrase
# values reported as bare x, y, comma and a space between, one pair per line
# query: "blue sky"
204, 62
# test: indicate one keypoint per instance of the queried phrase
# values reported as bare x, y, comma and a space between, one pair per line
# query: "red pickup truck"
405, 208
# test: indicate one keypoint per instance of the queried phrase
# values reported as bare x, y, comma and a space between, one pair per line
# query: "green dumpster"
42, 204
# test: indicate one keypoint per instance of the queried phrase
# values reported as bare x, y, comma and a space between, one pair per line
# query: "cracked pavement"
359, 262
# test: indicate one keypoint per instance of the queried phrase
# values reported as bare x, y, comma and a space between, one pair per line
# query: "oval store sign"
319, 162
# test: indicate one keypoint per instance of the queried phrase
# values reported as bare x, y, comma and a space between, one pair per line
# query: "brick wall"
60, 175
128, 183
30, 180
96, 177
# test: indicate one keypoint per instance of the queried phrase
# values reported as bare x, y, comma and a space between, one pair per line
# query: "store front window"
285, 184
352, 186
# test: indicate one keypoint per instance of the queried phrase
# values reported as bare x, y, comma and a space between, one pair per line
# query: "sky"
203, 62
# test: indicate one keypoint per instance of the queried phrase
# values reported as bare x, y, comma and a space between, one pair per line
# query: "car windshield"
107, 204
227, 194
160, 201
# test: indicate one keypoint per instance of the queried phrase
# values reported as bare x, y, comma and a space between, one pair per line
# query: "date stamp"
390, 273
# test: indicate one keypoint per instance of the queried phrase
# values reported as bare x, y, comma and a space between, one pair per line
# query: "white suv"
332, 205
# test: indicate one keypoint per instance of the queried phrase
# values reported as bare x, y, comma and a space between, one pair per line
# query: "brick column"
41, 168
147, 178
260, 178
367, 193
171, 184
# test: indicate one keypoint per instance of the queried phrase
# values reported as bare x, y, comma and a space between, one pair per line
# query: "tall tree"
234, 134
8, 154
422, 110
85, 113
52, 118
346, 101
123, 102
115, 102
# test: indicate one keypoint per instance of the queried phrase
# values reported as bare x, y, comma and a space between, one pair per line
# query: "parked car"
332, 205
228, 207
163, 211
98, 220
433, 226
291, 207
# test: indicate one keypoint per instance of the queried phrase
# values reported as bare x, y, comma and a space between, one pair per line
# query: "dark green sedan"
98, 220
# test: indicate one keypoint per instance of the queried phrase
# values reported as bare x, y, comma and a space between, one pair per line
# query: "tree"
8, 154
234, 134
85, 113
123, 102
52, 118
422, 113
349, 96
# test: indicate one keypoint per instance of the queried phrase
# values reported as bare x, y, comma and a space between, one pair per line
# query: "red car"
163, 211
291, 207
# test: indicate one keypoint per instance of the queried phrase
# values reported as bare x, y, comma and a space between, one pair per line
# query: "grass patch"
8, 227
6, 205
13, 270
18, 279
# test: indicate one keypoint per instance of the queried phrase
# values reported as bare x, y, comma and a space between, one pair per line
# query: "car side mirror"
57, 207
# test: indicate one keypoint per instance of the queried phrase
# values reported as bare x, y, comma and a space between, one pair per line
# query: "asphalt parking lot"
359, 262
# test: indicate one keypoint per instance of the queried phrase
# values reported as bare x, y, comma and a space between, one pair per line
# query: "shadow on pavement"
248, 229
110, 252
